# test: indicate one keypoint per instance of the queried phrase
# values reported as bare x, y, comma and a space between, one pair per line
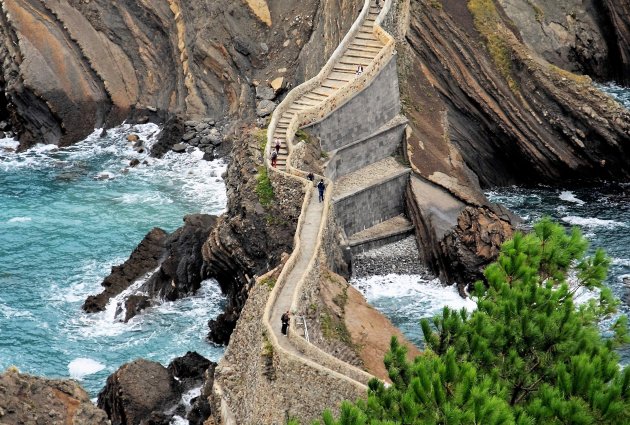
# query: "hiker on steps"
274, 158
321, 187
278, 146
285, 322
359, 70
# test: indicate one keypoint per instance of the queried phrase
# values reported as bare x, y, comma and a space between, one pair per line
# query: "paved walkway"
308, 236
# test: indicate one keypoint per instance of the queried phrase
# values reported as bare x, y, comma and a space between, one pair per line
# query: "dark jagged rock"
201, 409
170, 135
473, 244
222, 326
145, 258
138, 391
26, 399
134, 304
177, 258
146, 393
190, 368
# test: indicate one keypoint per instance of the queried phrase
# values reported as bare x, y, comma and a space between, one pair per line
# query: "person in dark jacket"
285, 322
321, 187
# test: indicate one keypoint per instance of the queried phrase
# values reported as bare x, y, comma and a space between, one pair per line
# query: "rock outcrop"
70, 66
171, 266
138, 390
145, 392
26, 399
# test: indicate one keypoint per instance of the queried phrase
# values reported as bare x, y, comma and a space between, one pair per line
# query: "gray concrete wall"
366, 151
372, 205
362, 115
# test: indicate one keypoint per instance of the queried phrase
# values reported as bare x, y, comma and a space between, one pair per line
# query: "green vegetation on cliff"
528, 355
487, 21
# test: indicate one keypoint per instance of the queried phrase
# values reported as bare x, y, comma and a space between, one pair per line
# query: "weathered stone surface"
277, 84
170, 135
265, 107
27, 399
180, 147
473, 244
138, 390
134, 304
265, 92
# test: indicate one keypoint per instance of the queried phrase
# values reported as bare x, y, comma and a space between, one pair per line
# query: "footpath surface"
308, 236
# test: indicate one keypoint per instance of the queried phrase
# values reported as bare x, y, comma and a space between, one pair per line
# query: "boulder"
214, 137
4, 125
179, 147
190, 368
191, 124
28, 399
474, 243
222, 327
188, 136
265, 92
201, 127
133, 138
134, 162
209, 121
137, 392
170, 135
265, 107
277, 84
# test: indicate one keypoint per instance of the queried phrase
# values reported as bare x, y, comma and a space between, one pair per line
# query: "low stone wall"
367, 151
257, 367
371, 205
362, 115
368, 244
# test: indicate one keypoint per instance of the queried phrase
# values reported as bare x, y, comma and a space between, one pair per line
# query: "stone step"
333, 84
346, 69
366, 48
323, 91
340, 76
365, 36
317, 97
367, 176
360, 54
367, 43
354, 61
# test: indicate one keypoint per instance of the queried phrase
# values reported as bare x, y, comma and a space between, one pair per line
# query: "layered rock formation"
70, 66
26, 399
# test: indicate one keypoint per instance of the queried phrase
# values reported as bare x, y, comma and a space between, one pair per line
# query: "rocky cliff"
69, 66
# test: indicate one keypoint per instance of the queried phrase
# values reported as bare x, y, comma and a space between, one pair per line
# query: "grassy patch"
261, 137
267, 348
273, 220
341, 299
264, 189
487, 21
302, 135
270, 282
334, 328
580, 79
540, 14
436, 4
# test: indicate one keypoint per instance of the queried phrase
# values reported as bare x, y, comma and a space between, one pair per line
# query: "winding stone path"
361, 50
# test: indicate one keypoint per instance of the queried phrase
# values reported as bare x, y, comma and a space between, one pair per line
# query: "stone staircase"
310, 379
362, 51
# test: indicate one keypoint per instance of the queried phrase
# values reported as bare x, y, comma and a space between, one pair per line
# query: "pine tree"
528, 354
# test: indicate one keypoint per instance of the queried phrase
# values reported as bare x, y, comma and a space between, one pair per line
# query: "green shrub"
264, 188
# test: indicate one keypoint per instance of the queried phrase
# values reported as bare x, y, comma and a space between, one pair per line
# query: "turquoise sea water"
66, 217
601, 212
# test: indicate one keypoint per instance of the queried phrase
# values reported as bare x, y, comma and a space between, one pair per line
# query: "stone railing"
313, 356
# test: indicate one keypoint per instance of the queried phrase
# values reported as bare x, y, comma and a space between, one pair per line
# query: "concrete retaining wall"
372, 205
357, 247
366, 151
362, 115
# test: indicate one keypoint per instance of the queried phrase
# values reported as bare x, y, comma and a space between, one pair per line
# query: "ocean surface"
602, 213
66, 217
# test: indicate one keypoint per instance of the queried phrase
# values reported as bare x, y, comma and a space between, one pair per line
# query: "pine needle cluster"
528, 355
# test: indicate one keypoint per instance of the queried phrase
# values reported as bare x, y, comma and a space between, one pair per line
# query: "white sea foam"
621, 262
19, 220
591, 222
10, 312
431, 296
81, 367
178, 420
8, 144
570, 197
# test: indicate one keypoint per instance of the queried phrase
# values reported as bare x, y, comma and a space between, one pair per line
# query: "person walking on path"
274, 158
321, 187
278, 146
285, 322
